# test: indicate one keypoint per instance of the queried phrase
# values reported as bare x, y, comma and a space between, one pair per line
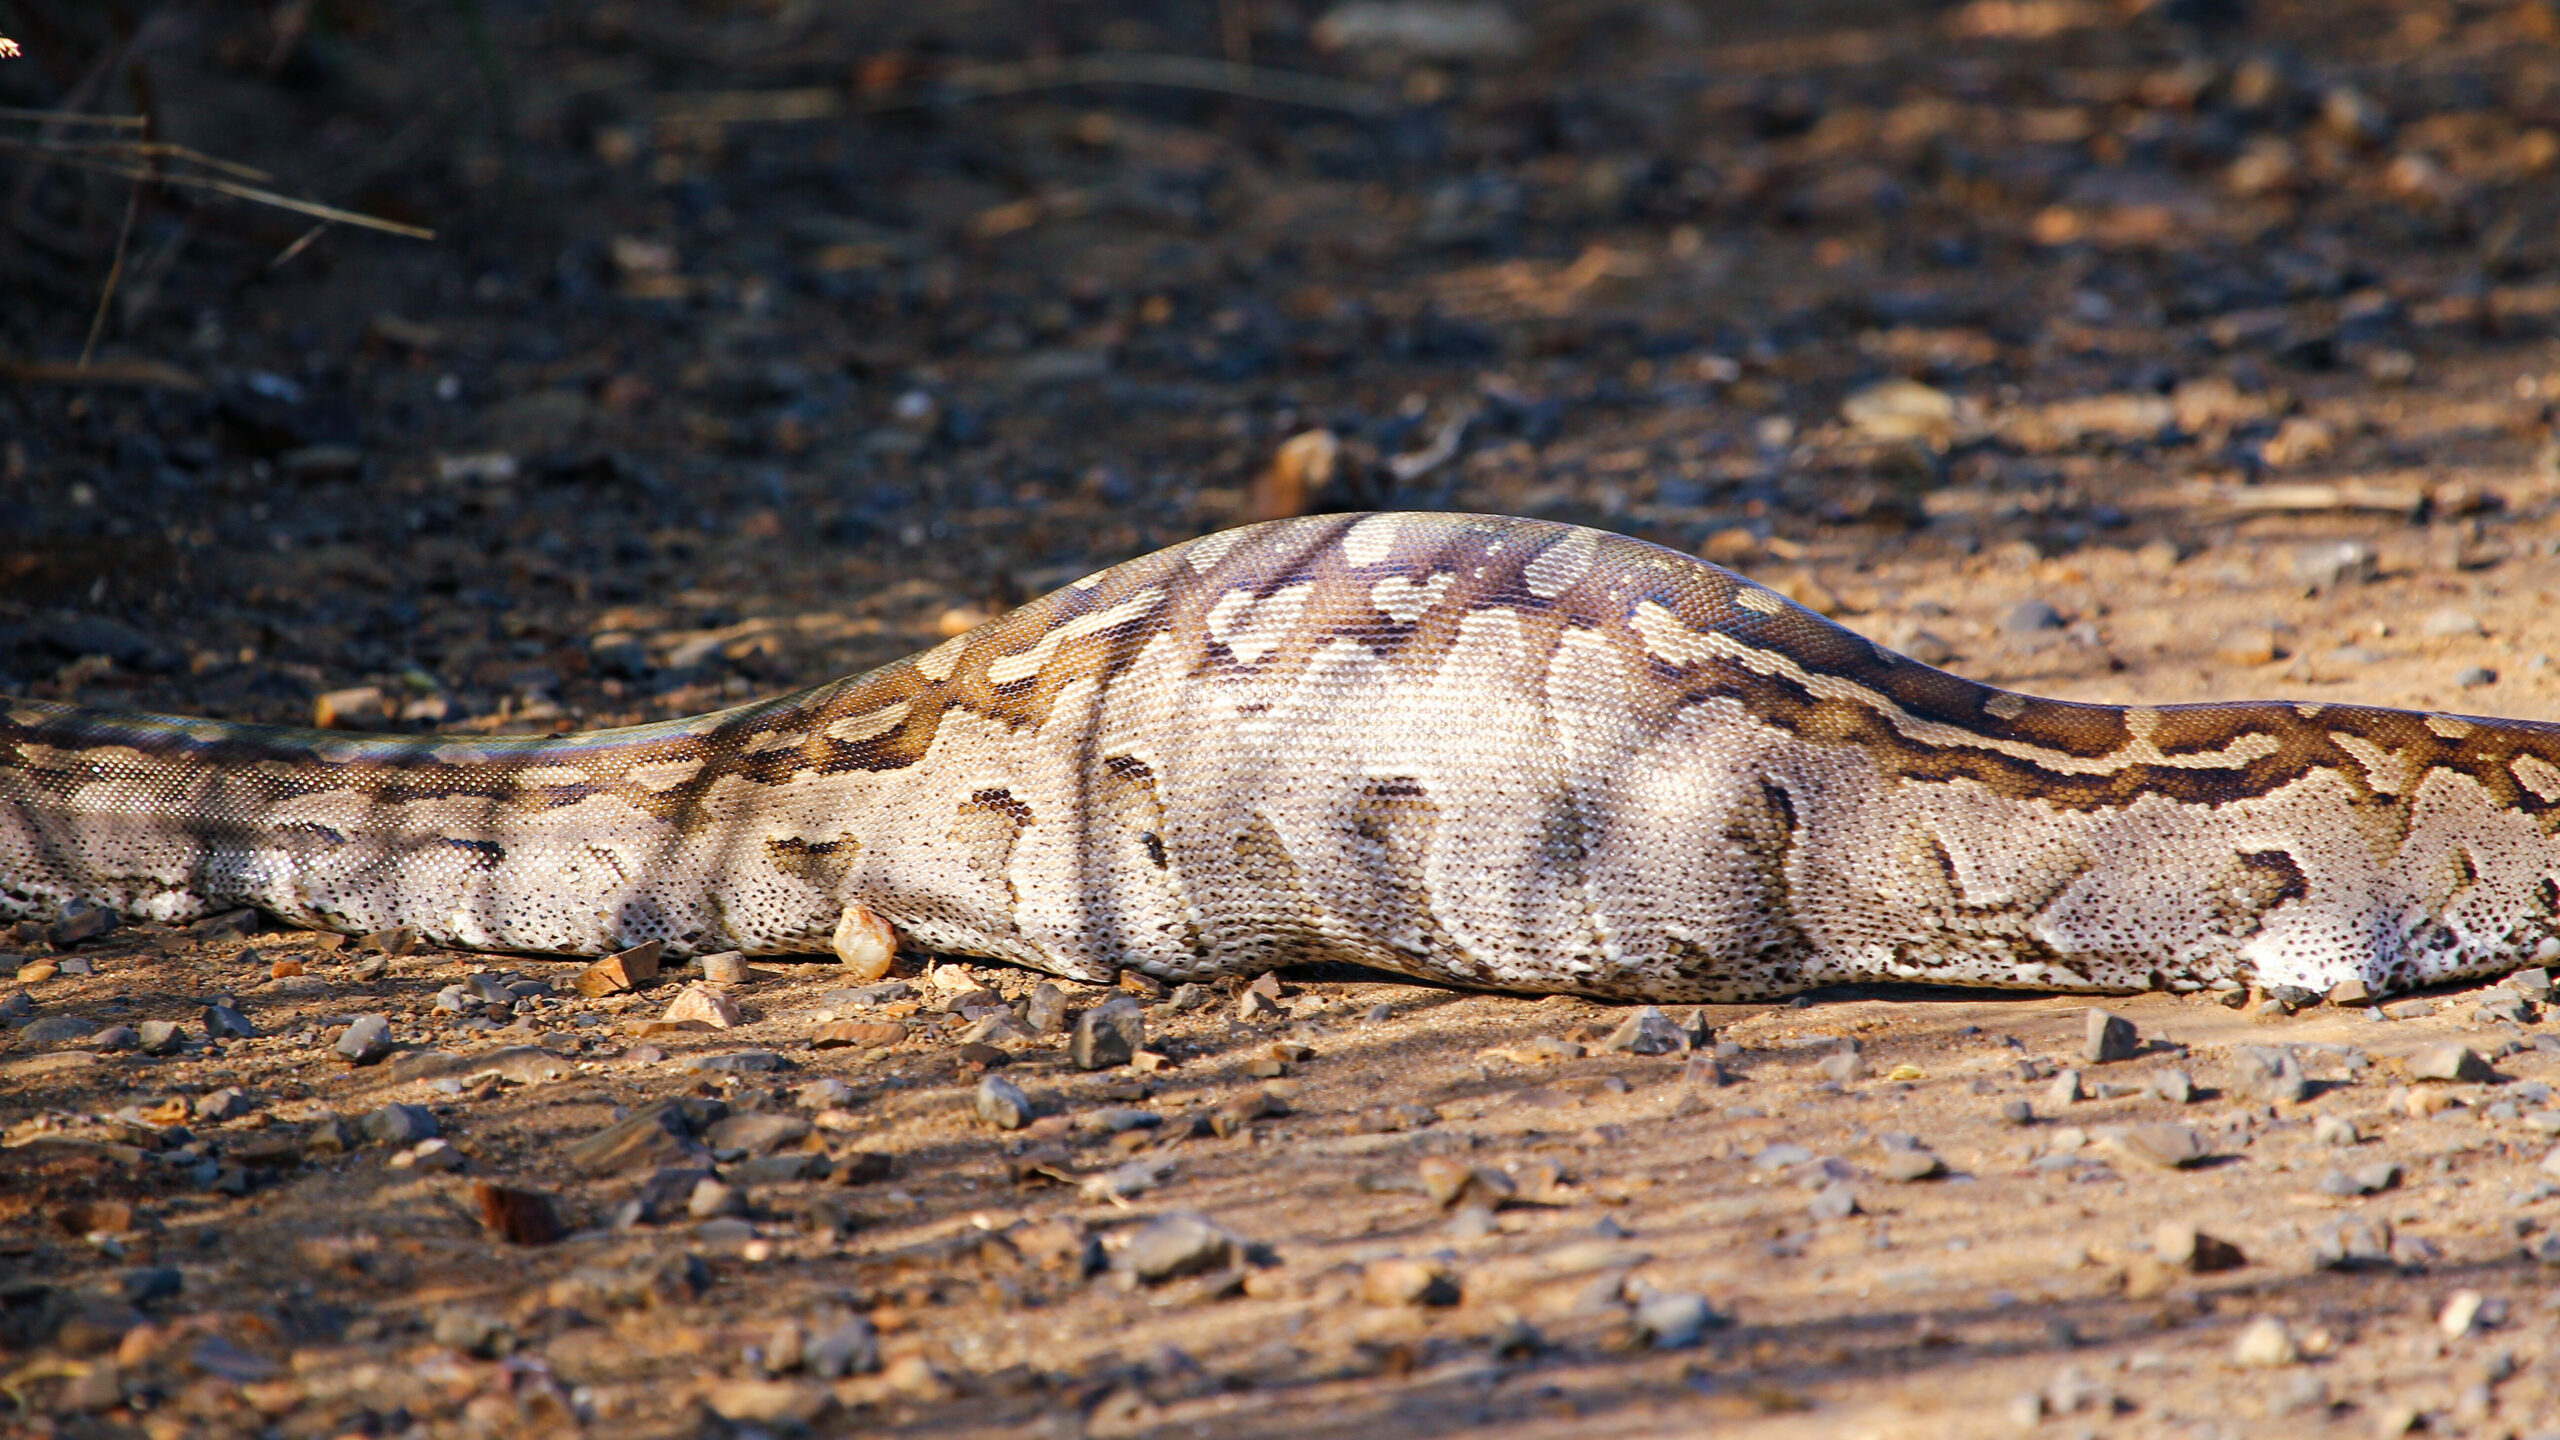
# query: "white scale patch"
937, 663
1752, 597
2003, 705
1665, 636
2537, 775
2386, 770
1405, 601
1009, 668
1250, 628
551, 775
1208, 550
1561, 564
2450, 727
1372, 540
854, 729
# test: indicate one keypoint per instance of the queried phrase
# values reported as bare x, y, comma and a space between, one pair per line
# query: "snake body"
1484, 751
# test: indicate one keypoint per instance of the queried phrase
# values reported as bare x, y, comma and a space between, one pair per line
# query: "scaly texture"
1486, 751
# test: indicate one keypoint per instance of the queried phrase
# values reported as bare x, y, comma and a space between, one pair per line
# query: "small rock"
2163, 1147
227, 1103
758, 1132
2449, 1060
398, 1124
2065, 1090
1184, 1242
147, 1284
1844, 1066
58, 1030
1400, 1281
1046, 1011
2474, 677
620, 972
728, 967
2250, 644
2335, 1130
1450, 1182
2533, 984
789, 1404
701, 1003
1835, 1201
836, 1034
2350, 992
1255, 1005
115, 1037
1647, 1032
2265, 1344
161, 1037
366, 1041
2448, 624
1905, 1166
2353, 1242
2175, 1086
735, 1062
436, 1156
1674, 1320
2180, 1243
221, 1022
2461, 1314
657, 1137
1002, 1104
2272, 1073
1109, 1034
865, 943
518, 1217
81, 920
712, 1199
2108, 1038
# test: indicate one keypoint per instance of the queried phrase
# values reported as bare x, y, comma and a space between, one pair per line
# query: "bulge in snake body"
1484, 751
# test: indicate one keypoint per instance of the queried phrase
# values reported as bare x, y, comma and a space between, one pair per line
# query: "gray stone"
2414, 1252
2018, 1112
1674, 1319
2498, 1009
1109, 1034
841, 1346
1002, 1104
2065, 1089
2162, 1147
58, 1030
2449, 1060
1904, 1166
1187, 997
161, 1037
81, 920
227, 1103
656, 1138
1835, 1201
736, 1062
2108, 1037
827, 1093
775, 1169
2352, 1242
2533, 984
2175, 1086
1784, 1155
711, 1199
115, 1037
399, 1124
147, 1283
221, 1022
1647, 1032
758, 1132
2272, 1073
366, 1041
1046, 1011
1184, 1242
1844, 1066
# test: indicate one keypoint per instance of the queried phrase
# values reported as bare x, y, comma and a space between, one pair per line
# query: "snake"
1480, 751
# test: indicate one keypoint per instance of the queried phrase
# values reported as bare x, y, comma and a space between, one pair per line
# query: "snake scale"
1483, 751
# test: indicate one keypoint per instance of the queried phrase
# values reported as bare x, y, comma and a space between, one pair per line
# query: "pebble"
366, 1041
711, 1198
436, 1156
227, 1103
1109, 1034
2017, 1112
1835, 1201
1905, 1166
2353, 1242
2336, 1130
1184, 1242
657, 1137
865, 943
1001, 1103
221, 1022
727, 967
2163, 1147
1397, 1281
2461, 1314
1844, 1066
758, 1132
2180, 1243
1046, 1011
782, 1404
2449, 1060
2108, 1037
734, 1062
2065, 1089
1647, 1032
2175, 1086
146, 1284
398, 1124
2272, 1073
700, 1003
58, 1030
836, 1034
2533, 984
1450, 1181
2265, 1344
36, 972
1674, 1319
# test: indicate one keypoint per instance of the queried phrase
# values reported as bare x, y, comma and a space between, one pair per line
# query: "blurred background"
503, 365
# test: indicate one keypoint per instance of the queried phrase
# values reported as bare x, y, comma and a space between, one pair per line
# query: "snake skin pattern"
1484, 751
